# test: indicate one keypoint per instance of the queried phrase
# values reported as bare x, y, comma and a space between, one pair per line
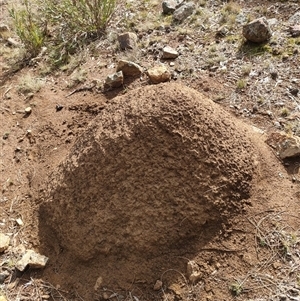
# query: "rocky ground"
249, 252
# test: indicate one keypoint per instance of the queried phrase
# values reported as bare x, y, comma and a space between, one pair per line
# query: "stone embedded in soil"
158, 285
169, 53
28, 110
193, 272
159, 74
129, 68
184, 11
3, 276
257, 31
98, 283
4, 242
286, 146
114, 80
33, 260
127, 40
149, 174
295, 30
169, 6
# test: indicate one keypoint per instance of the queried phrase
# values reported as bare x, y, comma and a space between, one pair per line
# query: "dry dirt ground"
122, 188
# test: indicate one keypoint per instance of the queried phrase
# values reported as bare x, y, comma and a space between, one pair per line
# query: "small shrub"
246, 69
241, 84
236, 288
66, 24
285, 112
28, 28
29, 84
78, 19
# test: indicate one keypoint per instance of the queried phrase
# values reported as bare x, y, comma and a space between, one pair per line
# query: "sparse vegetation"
29, 27
241, 84
61, 25
29, 84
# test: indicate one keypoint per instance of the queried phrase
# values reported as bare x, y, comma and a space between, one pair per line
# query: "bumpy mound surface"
152, 169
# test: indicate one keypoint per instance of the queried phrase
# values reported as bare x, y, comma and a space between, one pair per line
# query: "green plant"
67, 24
284, 112
29, 28
78, 19
246, 69
241, 84
236, 288
29, 84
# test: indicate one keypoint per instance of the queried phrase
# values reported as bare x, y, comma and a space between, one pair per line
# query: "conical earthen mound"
153, 168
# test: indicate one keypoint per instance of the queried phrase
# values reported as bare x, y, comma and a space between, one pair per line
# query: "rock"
169, 6
257, 31
3, 276
158, 285
295, 19
19, 222
2, 298
127, 40
114, 80
169, 53
98, 283
32, 259
28, 110
159, 74
286, 146
183, 11
294, 91
4, 242
13, 42
193, 272
295, 30
4, 31
129, 68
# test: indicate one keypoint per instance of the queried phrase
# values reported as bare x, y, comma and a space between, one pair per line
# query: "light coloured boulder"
159, 74
286, 146
32, 259
169, 53
183, 11
129, 68
257, 31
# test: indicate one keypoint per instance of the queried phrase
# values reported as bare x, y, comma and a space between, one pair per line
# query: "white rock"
129, 68
169, 53
4, 242
32, 259
28, 110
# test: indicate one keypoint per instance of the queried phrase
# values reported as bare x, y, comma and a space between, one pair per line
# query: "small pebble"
28, 110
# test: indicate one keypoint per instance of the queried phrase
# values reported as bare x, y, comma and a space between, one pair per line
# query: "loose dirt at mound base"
159, 176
